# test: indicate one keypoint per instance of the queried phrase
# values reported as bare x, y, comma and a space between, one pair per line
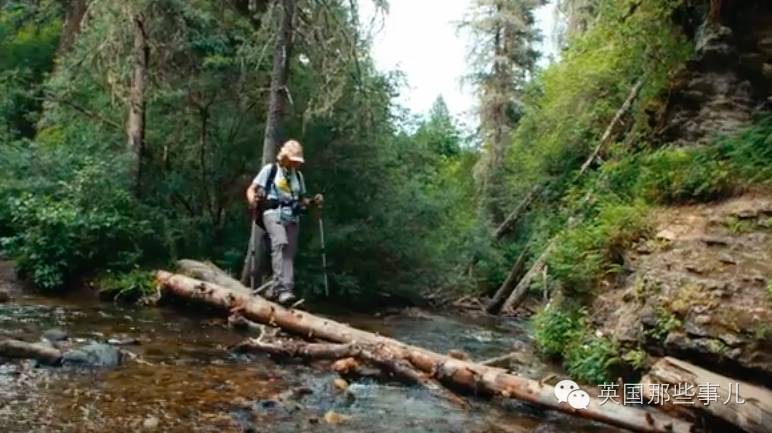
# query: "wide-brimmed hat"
291, 150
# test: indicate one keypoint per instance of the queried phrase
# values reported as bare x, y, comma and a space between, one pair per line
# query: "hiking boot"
286, 298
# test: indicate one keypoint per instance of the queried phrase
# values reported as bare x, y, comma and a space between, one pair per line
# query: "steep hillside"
700, 288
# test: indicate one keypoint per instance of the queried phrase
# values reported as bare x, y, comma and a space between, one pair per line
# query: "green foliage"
29, 35
86, 223
594, 248
553, 329
636, 358
563, 333
570, 103
667, 321
682, 175
125, 286
591, 358
769, 290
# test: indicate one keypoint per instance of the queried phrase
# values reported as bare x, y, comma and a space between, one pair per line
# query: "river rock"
93, 354
4, 296
150, 423
55, 335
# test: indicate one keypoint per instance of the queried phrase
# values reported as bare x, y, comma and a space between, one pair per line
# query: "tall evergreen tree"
502, 57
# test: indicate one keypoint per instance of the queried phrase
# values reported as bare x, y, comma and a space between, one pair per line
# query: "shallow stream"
189, 382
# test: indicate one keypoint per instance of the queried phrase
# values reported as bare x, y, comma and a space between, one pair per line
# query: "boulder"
94, 355
55, 335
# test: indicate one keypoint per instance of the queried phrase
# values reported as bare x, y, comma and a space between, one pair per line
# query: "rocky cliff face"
729, 78
701, 289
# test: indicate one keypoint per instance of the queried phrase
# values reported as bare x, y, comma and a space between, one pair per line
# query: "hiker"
279, 191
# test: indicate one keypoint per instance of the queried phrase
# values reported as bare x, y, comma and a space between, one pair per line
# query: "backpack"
262, 204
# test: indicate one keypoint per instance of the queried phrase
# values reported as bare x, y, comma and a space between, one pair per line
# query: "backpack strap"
271, 176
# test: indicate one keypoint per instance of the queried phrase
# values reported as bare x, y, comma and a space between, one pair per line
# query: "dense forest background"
108, 174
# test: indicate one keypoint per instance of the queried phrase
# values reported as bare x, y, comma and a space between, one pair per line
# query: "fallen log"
511, 220
606, 137
380, 357
518, 293
462, 374
208, 271
494, 305
11, 348
739, 403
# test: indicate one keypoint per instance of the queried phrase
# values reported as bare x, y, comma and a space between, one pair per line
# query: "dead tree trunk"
277, 100
518, 294
516, 214
607, 134
507, 286
207, 271
742, 404
135, 124
395, 366
277, 105
463, 374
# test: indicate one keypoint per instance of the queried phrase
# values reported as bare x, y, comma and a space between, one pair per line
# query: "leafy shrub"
55, 239
125, 286
683, 175
565, 334
590, 358
750, 152
553, 328
667, 321
584, 253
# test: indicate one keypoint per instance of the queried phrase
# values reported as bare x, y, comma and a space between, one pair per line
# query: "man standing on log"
280, 192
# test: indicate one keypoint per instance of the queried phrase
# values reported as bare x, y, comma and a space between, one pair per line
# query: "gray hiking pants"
284, 246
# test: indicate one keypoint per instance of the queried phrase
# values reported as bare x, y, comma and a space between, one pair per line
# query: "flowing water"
189, 382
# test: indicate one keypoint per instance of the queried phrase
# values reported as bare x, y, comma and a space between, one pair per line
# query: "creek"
189, 382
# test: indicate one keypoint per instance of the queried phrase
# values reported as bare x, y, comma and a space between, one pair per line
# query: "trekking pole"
252, 252
324, 256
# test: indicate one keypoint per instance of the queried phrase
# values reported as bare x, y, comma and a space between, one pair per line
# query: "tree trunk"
395, 366
277, 104
21, 349
518, 294
75, 10
208, 271
462, 374
277, 100
135, 124
506, 226
507, 286
753, 415
606, 137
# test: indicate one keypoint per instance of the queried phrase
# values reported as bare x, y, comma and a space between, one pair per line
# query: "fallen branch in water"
11, 348
396, 367
457, 373
499, 361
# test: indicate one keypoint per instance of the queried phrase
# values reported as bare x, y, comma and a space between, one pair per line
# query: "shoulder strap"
302, 182
271, 177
